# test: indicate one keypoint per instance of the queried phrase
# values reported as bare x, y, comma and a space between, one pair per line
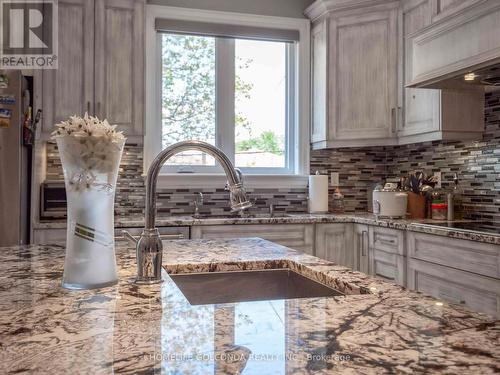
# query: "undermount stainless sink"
240, 286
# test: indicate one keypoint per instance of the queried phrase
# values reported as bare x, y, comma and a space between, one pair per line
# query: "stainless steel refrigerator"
15, 159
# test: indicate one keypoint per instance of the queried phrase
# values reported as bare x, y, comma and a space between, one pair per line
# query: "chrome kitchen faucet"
148, 246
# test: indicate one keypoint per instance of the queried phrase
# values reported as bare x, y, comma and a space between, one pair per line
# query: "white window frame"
298, 139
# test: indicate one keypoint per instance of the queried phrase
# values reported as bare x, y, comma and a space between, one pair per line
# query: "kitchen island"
376, 327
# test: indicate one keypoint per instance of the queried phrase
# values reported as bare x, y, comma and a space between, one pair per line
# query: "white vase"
90, 166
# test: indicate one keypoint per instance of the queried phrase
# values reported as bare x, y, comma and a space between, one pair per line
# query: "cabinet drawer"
479, 293
388, 266
295, 236
476, 257
386, 239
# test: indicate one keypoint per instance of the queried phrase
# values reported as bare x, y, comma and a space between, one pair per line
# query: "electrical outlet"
437, 175
334, 179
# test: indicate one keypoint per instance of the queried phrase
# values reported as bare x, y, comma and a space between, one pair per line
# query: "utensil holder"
416, 206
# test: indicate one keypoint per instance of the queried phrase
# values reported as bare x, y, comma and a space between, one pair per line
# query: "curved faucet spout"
238, 198
149, 246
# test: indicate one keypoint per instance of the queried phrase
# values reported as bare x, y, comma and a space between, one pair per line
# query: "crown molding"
320, 7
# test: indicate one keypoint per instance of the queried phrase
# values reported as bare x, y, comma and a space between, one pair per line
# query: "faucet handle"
129, 237
199, 197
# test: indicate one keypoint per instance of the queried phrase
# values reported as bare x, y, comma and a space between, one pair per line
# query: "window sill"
200, 180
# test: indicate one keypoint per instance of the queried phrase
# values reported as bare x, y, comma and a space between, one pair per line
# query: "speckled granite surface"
154, 329
360, 218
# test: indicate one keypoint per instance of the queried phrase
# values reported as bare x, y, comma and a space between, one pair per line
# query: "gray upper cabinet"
354, 102
432, 114
69, 89
100, 65
119, 63
360, 57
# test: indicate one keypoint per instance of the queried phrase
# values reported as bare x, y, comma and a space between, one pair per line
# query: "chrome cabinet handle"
393, 120
88, 108
383, 240
98, 112
363, 248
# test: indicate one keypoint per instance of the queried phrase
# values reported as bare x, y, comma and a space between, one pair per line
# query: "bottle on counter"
338, 201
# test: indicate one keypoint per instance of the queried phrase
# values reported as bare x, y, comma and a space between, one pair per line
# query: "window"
241, 108
234, 86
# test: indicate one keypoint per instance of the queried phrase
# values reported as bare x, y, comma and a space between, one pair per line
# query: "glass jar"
439, 211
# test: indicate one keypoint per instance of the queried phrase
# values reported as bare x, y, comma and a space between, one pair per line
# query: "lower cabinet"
456, 271
386, 254
477, 292
166, 234
296, 236
58, 236
334, 243
49, 236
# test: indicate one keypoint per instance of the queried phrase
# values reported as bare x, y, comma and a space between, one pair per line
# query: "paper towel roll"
318, 194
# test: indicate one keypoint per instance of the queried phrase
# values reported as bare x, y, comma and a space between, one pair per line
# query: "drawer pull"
363, 248
390, 242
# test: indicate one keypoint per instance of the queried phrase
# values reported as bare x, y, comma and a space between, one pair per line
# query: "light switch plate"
334, 179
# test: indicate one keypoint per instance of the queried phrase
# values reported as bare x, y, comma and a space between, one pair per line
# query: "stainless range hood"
487, 77
459, 51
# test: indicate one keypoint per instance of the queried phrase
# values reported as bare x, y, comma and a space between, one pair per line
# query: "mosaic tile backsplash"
476, 163
130, 194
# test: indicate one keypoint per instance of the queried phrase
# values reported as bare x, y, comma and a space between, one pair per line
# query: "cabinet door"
360, 244
119, 63
69, 89
364, 80
471, 256
295, 236
334, 243
421, 106
319, 105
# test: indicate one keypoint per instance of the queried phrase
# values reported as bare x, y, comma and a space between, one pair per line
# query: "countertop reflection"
376, 327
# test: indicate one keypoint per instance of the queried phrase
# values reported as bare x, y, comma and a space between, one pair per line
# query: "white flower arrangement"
88, 126
89, 148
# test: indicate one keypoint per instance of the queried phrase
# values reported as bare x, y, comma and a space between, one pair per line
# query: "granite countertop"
304, 218
377, 327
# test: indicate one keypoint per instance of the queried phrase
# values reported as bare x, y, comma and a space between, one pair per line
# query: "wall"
281, 8
477, 164
359, 169
130, 194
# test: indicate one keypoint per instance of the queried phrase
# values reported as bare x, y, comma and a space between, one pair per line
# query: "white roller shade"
225, 30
